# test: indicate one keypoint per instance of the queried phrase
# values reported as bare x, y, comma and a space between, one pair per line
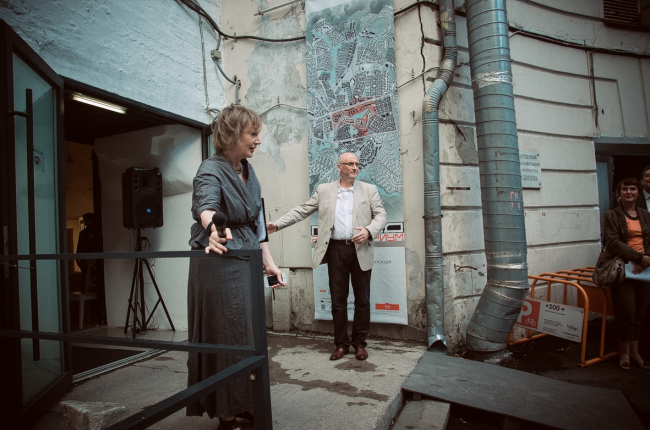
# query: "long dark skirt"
219, 312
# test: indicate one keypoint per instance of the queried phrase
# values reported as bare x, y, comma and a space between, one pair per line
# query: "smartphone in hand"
273, 280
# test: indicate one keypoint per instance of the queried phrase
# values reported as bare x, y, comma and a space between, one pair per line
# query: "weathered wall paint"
147, 50
151, 52
556, 116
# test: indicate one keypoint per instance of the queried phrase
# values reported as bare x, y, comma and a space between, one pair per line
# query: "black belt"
342, 241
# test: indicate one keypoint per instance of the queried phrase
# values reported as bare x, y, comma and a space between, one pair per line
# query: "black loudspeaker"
142, 198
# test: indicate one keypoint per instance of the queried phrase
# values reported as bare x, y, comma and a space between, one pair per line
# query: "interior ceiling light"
99, 103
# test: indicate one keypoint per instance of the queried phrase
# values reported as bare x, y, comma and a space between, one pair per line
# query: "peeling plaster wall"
556, 115
146, 50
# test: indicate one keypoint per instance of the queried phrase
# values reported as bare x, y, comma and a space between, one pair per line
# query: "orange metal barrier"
591, 297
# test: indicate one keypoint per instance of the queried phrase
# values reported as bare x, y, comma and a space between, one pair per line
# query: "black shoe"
246, 416
229, 425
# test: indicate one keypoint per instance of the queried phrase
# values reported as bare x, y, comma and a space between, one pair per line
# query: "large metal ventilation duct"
501, 194
433, 275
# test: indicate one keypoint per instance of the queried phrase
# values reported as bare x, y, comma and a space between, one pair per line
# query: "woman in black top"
626, 232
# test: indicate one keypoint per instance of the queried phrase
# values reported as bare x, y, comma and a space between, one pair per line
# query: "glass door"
32, 221
604, 174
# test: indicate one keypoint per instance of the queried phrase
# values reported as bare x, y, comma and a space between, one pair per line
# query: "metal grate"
621, 11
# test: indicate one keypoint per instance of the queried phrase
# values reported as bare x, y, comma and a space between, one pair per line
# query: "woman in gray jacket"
627, 235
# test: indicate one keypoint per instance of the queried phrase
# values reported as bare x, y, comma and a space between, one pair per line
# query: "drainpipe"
433, 276
501, 195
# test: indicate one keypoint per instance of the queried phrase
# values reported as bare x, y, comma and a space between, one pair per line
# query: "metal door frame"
12, 44
255, 365
16, 414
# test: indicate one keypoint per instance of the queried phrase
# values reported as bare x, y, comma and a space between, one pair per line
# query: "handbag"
609, 272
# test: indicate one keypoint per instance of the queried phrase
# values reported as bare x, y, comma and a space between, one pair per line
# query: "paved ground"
307, 389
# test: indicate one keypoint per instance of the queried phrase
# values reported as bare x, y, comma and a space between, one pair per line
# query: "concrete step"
423, 414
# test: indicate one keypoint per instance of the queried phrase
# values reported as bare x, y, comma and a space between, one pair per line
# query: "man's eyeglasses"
350, 164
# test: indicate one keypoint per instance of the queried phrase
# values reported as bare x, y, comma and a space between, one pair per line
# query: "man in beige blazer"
350, 215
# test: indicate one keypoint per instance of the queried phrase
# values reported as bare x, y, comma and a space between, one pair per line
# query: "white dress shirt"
343, 228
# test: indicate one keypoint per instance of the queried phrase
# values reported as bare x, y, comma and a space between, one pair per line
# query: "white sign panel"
552, 318
387, 289
531, 169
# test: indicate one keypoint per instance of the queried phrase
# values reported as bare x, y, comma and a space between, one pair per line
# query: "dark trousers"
343, 265
630, 300
644, 339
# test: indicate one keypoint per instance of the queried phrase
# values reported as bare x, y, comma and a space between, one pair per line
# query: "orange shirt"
634, 235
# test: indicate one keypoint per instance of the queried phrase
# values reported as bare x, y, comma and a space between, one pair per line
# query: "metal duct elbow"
433, 274
500, 175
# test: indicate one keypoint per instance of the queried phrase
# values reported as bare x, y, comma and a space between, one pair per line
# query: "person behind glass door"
643, 201
88, 241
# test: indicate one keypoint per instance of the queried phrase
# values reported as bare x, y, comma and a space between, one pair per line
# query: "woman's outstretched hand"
217, 242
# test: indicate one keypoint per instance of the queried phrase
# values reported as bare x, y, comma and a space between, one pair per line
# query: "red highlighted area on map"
351, 117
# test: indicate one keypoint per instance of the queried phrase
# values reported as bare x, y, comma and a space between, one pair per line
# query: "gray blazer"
367, 212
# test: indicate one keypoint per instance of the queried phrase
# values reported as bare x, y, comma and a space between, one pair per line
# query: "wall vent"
621, 11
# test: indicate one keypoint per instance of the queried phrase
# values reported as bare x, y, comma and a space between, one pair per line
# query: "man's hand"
362, 236
271, 227
216, 242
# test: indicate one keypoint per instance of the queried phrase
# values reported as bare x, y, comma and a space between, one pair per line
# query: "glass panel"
211, 150
602, 178
37, 375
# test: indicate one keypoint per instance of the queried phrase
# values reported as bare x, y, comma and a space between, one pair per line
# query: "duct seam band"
508, 266
491, 78
513, 285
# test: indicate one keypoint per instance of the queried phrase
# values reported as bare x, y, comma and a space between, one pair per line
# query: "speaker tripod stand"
137, 305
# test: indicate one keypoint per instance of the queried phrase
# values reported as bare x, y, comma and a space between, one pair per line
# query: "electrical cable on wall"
216, 54
193, 5
278, 105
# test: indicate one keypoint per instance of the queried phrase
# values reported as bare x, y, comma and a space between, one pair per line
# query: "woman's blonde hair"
231, 123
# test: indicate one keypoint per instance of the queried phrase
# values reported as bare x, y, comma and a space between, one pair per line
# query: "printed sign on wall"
352, 107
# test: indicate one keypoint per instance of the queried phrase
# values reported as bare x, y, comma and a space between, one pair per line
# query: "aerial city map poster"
352, 107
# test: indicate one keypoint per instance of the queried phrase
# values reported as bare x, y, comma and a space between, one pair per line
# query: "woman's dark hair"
627, 182
231, 123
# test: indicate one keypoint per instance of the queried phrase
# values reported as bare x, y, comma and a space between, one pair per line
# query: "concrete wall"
146, 50
561, 106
